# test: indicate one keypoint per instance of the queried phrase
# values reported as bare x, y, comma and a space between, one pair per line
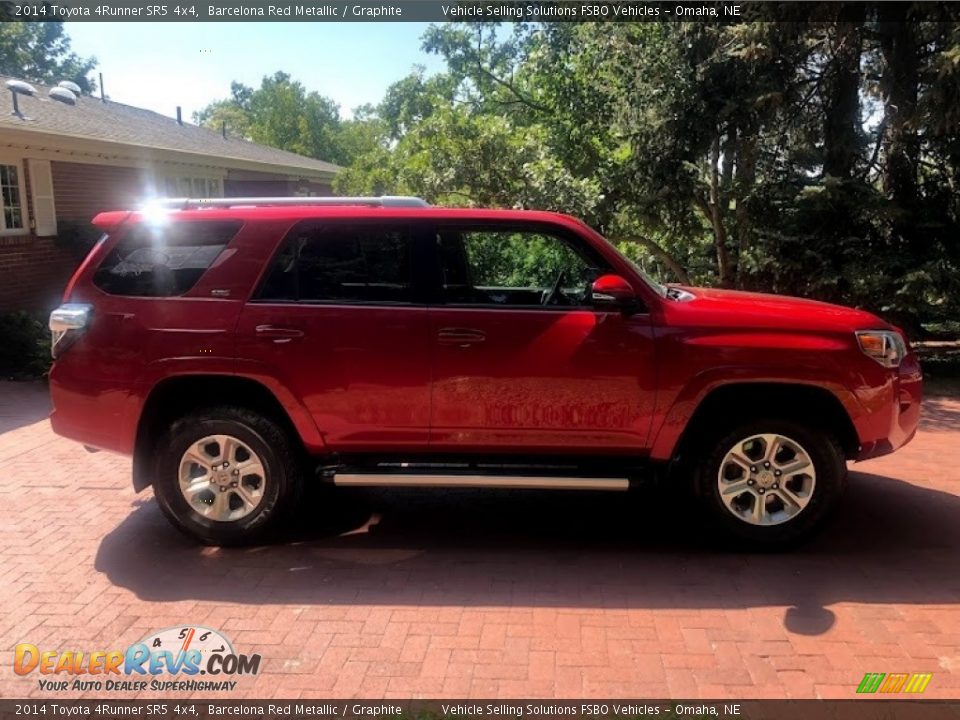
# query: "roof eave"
145, 155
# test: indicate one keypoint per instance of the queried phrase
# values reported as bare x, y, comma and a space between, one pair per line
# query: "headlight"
885, 346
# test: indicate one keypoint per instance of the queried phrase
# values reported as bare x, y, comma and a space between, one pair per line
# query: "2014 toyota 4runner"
240, 349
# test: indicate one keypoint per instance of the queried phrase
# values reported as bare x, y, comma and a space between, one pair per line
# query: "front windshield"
658, 288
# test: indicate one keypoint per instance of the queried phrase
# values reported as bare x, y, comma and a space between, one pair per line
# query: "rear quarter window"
163, 260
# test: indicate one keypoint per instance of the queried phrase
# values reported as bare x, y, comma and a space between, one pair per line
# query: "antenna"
71, 86
62, 94
17, 88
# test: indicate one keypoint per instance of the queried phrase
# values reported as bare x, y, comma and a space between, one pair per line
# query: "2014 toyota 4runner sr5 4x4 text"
241, 349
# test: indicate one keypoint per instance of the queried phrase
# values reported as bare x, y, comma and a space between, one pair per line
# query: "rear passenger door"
339, 320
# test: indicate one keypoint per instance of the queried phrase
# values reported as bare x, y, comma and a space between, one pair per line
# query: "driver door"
522, 360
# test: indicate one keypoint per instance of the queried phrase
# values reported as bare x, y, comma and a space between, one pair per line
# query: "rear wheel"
770, 483
227, 476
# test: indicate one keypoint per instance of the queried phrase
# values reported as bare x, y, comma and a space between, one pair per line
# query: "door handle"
460, 337
278, 334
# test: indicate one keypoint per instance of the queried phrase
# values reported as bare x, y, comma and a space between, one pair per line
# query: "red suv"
239, 349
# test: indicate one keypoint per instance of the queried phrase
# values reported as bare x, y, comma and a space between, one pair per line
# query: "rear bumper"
895, 413
93, 412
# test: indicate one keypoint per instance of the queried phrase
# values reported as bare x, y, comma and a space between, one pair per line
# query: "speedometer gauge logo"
185, 638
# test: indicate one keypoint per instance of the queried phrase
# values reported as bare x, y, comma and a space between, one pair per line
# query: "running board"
519, 482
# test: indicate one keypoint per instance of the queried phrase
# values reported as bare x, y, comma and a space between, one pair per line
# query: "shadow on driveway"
891, 542
22, 404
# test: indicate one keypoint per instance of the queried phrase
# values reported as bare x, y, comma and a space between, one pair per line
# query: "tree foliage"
282, 113
40, 52
818, 155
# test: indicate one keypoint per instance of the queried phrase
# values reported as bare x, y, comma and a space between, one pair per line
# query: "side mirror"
612, 292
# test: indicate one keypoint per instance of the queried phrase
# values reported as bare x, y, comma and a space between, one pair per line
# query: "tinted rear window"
342, 264
163, 260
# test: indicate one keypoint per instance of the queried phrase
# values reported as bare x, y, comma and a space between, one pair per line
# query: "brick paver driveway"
492, 594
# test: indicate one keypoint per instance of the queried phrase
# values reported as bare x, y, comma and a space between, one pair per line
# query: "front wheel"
770, 483
227, 475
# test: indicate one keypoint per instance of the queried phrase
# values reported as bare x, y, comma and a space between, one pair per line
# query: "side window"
163, 260
513, 268
342, 264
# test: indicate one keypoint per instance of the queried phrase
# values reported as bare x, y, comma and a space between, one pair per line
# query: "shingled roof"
121, 124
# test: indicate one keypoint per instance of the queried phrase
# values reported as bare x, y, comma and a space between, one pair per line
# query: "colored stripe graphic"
894, 682
918, 682
870, 682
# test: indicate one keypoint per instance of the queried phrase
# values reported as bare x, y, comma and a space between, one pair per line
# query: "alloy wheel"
766, 479
221, 478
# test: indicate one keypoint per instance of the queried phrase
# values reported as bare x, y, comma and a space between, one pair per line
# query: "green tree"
230, 114
816, 155
280, 113
40, 52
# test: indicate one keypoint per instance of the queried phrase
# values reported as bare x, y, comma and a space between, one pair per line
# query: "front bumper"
895, 413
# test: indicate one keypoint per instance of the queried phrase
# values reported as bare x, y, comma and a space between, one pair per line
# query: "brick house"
60, 165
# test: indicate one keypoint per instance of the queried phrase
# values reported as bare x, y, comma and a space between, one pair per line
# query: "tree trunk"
841, 125
898, 44
666, 258
715, 213
743, 185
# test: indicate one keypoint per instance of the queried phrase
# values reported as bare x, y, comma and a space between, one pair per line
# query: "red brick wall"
33, 272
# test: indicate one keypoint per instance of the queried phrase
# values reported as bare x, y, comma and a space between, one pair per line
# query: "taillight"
67, 322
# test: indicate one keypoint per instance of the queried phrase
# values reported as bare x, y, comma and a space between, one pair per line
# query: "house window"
193, 187
12, 220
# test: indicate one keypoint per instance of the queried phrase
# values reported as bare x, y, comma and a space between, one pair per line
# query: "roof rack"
396, 201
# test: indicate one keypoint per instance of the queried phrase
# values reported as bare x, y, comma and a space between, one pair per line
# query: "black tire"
828, 461
282, 465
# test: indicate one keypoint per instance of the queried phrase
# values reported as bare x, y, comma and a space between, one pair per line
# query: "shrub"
24, 345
